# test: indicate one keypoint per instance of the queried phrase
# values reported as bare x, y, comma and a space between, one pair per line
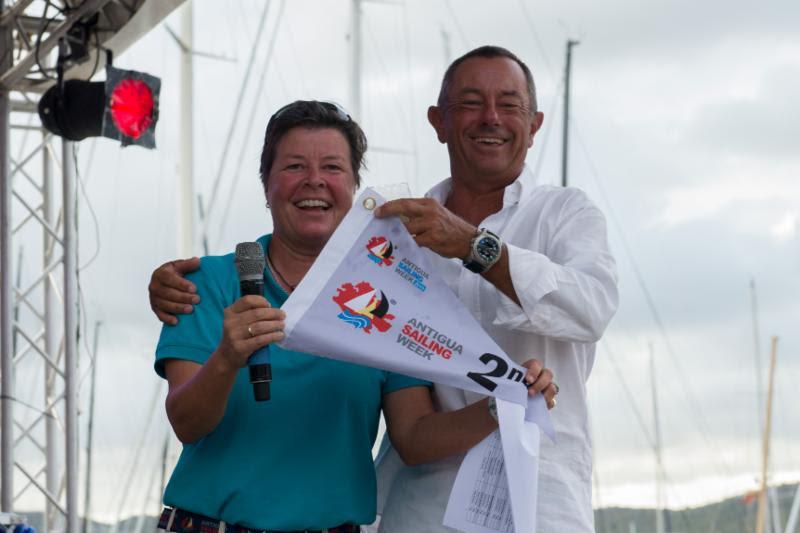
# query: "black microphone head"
250, 261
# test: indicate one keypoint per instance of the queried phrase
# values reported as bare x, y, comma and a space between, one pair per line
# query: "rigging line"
628, 394
410, 84
457, 24
295, 56
712, 528
113, 178
542, 150
694, 406
82, 316
82, 187
90, 353
284, 88
232, 25
596, 477
382, 64
76, 224
150, 487
234, 119
44, 24
90, 158
629, 334
237, 173
536, 39
779, 414
639, 417
137, 453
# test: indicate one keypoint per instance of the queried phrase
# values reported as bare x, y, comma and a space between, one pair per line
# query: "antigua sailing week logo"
425, 341
379, 250
363, 307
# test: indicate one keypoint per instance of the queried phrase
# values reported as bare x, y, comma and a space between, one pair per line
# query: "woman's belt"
181, 521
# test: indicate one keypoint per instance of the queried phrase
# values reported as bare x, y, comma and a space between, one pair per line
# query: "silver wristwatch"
485, 249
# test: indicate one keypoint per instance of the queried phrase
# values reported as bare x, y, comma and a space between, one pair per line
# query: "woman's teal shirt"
303, 459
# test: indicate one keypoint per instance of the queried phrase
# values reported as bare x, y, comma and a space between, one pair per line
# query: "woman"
302, 461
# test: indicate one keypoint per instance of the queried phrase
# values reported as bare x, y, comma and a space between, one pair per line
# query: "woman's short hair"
312, 114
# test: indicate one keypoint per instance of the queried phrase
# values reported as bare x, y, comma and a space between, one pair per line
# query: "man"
530, 262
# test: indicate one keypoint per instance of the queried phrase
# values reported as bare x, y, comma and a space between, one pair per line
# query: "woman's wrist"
223, 364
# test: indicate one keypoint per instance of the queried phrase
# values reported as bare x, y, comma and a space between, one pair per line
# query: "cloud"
746, 197
786, 228
765, 124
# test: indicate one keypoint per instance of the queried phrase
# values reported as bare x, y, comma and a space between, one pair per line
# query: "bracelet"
492, 405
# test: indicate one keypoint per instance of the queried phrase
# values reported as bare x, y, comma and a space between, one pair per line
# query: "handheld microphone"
250, 266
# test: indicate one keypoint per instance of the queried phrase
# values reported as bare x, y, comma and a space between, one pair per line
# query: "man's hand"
539, 379
432, 225
170, 293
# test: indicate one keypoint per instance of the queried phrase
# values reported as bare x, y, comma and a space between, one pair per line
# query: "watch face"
488, 248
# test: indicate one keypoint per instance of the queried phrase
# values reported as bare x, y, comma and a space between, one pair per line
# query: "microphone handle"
259, 366
252, 287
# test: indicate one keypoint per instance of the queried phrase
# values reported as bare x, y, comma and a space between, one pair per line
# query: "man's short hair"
488, 52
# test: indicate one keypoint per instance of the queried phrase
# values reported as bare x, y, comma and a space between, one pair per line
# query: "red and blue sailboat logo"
363, 307
379, 250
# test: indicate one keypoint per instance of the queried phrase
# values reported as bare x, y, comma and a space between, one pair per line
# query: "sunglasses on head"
338, 110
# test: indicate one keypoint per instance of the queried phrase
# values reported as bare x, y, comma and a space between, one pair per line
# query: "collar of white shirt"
515, 192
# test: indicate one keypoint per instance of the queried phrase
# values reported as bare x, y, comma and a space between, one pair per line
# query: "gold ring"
250, 331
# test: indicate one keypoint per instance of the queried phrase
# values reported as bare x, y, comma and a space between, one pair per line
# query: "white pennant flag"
370, 298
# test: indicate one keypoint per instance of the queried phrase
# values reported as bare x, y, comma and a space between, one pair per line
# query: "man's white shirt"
565, 279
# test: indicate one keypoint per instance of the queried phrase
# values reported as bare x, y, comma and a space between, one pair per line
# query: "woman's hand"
249, 323
539, 379
198, 394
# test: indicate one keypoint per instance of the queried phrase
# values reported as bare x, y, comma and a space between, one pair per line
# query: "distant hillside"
729, 516
733, 515
129, 525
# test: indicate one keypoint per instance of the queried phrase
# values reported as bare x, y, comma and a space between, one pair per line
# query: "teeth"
489, 140
313, 203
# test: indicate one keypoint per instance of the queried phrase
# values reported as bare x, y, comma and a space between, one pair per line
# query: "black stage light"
124, 107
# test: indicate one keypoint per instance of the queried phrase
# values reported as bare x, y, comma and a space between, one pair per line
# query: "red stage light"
124, 107
132, 107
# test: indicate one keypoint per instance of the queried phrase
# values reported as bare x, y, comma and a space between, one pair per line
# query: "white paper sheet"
487, 497
479, 501
521, 452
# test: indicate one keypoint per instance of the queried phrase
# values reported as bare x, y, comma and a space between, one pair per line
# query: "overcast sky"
685, 131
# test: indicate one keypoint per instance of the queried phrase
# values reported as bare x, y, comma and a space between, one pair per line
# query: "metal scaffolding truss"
39, 401
38, 212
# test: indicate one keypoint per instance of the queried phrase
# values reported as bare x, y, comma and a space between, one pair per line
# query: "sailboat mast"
757, 354
355, 75
657, 428
564, 145
762, 493
186, 207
